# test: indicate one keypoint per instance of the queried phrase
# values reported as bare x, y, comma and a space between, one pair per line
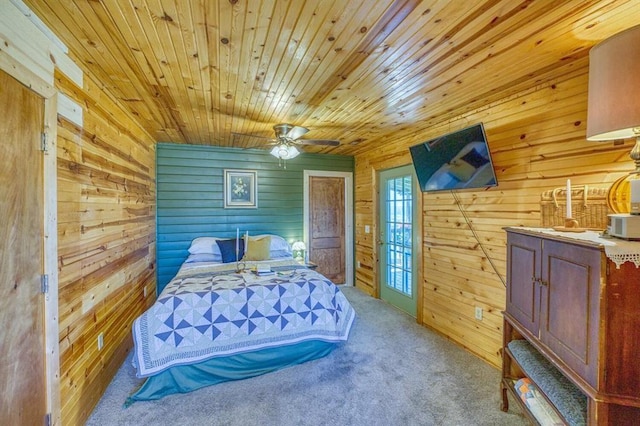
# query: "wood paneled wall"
190, 197
106, 234
537, 140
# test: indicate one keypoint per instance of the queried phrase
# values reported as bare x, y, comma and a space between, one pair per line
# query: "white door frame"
348, 216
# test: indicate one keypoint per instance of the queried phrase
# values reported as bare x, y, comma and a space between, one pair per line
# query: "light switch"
367, 229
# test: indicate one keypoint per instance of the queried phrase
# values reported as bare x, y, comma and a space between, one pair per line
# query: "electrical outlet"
358, 263
367, 229
478, 313
100, 341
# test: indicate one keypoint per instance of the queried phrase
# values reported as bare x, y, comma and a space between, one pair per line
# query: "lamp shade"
614, 87
284, 151
298, 245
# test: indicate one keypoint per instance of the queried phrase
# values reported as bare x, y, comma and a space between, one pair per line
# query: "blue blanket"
205, 313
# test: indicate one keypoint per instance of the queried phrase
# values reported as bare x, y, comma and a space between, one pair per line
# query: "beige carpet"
390, 372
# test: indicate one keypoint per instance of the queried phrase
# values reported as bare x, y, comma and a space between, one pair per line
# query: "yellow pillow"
257, 248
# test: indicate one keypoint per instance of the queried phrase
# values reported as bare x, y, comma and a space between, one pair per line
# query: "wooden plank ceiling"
198, 71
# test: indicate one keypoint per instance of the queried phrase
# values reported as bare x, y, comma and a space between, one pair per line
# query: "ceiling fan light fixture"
285, 152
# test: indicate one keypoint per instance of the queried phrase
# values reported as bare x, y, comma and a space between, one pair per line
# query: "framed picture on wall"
240, 189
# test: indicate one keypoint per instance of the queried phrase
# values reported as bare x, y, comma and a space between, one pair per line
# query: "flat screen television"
458, 160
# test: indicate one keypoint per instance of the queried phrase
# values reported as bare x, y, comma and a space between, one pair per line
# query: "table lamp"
298, 250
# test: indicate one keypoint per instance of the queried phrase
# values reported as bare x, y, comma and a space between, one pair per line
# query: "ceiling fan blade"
289, 131
325, 142
297, 132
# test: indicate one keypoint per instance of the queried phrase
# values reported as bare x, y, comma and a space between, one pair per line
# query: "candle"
568, 198
237, 242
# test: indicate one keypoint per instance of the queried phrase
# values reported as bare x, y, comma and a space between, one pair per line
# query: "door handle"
539, 281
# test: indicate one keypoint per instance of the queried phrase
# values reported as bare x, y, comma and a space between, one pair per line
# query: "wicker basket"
588, 206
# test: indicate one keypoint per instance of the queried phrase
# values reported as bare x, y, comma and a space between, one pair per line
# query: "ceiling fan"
287, 136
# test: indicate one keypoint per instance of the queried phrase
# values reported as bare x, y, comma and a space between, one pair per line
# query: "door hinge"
44, 284
43, 142
47, 419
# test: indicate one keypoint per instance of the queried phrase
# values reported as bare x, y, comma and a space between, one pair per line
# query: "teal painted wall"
190, 197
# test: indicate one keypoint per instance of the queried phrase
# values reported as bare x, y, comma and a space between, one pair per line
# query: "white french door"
398, 282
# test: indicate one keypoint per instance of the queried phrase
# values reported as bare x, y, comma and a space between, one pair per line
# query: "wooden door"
326, 226
22, 357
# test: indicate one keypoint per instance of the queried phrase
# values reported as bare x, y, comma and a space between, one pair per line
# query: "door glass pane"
398, 234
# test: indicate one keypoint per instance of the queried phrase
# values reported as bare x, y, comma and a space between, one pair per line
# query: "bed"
219, 320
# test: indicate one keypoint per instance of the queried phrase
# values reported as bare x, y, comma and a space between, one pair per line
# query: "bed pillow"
279, 243
205, 245
228, 249
279, 246
204, 257
474, 158
258, 248
277, 254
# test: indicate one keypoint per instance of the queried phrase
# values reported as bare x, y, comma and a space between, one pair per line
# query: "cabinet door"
523, 269
622, 313
570, 304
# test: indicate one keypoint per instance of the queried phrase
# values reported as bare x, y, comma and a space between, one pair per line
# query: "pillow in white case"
277, 243
203, 257
277, 254
205, 245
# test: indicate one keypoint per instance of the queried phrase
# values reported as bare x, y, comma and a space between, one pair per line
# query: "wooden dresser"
580, 316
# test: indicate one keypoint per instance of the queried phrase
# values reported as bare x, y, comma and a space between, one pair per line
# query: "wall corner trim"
30, 42
70, 109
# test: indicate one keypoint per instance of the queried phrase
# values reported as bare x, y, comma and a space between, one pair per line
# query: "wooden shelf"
508, 385
509, 382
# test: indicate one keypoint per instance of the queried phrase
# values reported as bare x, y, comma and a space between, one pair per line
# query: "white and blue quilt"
209, 312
